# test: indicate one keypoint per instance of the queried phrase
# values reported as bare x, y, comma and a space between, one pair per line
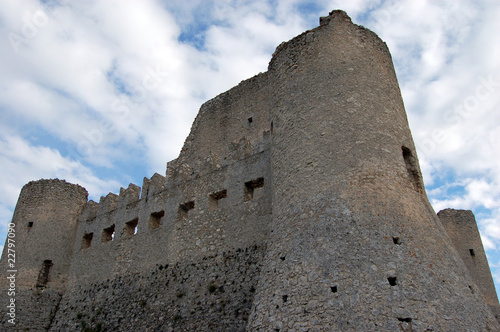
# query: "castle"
296, 204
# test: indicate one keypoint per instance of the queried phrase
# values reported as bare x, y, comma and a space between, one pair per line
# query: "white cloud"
25, 162
22, 162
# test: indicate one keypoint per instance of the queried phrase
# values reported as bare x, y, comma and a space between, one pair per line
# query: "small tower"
44, 226
462, 228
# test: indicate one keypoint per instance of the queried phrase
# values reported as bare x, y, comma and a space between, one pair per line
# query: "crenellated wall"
189, 219
202, 206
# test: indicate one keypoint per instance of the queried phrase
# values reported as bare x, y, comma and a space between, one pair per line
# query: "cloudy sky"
103, 93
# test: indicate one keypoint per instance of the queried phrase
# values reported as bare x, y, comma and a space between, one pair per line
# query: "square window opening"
155, 219
184, 209
108, 234
250, 188
214, 198
131, 227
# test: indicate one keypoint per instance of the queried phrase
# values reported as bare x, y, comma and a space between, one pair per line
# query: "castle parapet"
107, 203
89, 211
129, 195
152, 186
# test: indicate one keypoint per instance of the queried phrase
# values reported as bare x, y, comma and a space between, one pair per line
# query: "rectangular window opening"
155, 219
43, 276
472, 253
412, 168
87, 240
108, 234
250, 188
131, 227
30, 224
184, 209
214, 198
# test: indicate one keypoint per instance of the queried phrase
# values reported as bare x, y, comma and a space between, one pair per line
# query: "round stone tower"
45, 223
355, 244
38, 251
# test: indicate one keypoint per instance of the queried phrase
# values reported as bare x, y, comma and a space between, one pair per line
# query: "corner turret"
44, 224
462, 229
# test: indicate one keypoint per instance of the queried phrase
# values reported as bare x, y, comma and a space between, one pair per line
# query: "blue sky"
103, 93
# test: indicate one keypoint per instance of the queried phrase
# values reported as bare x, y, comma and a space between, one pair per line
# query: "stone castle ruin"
296, 204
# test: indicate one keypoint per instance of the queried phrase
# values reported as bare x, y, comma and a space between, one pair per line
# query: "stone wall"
211, 293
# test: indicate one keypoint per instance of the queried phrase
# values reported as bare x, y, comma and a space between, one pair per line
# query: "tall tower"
355, 244
462, 228
43, 228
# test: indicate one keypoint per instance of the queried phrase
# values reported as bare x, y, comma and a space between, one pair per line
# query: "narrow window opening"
108, 234
43, 276
87, 240
131, 227
396, 240
272, 127
250, 188
333, 289
214, 198
392, 281
472, 253
285, 298
184, 209
30, 224
155, 219
250, 120
412, 168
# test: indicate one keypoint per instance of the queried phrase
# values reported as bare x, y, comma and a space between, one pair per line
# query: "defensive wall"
296, 203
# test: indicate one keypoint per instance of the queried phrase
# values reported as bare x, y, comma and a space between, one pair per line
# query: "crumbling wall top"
335, 15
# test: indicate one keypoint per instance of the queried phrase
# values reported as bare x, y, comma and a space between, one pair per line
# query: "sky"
103, 93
